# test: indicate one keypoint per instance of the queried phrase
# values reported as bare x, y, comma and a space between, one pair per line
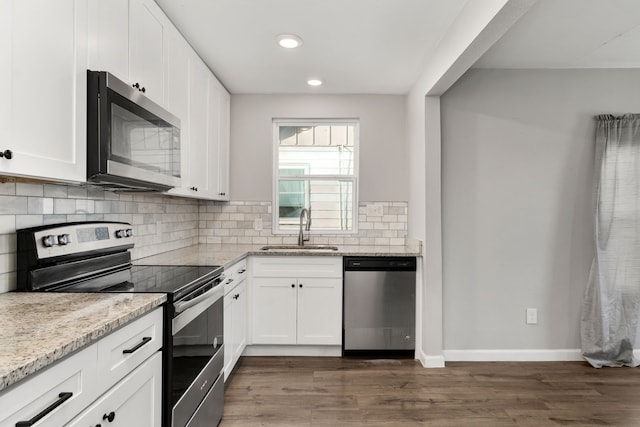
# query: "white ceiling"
354, 46
571, 34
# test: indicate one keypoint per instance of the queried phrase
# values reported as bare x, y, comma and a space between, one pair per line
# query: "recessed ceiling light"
314, 82
289, 41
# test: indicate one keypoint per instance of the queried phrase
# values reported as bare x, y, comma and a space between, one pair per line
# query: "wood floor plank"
350, 392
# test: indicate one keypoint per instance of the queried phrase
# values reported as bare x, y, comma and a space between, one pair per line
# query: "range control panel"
76, 238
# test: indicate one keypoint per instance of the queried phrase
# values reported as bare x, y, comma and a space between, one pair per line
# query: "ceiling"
354, 46
382, 46
571, 34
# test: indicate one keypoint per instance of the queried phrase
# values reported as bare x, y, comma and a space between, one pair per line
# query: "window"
315, 168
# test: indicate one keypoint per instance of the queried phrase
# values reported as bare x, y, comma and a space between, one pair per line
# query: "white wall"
384, 174
517, 223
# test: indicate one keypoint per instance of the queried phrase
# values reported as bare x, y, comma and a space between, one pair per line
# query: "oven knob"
49, 241
129, 232
64, 239
121, 233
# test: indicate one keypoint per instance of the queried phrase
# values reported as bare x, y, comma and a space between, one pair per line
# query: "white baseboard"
292, 350
560, 355
430, 361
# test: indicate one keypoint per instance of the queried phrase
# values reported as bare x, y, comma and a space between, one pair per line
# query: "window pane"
318, 160
331, 203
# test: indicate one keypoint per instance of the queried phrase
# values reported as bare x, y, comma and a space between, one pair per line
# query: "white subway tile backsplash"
7, 243
13, 205
64, 206
7, 281
36, 190
163, 223
7, 224
55, 191
25, 221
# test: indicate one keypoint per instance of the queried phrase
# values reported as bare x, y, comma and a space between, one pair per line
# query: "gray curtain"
611, 306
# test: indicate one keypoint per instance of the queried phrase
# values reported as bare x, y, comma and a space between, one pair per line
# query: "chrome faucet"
301, 238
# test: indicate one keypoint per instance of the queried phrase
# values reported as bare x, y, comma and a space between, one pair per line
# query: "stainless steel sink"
299, 248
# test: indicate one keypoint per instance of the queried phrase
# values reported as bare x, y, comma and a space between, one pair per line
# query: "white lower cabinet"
71, 384
297, 300
236, 305
116, 381
134, 401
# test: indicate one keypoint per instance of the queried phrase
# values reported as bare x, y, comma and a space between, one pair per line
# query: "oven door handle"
216, 291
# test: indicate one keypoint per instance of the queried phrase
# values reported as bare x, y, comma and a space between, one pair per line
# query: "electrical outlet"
374, 210
257, 224
532, 316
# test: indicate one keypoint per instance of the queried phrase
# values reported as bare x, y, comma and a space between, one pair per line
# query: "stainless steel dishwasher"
379, 311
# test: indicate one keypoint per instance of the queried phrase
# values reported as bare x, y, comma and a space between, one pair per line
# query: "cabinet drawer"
301, 266
234, 275
35, 396
122, 351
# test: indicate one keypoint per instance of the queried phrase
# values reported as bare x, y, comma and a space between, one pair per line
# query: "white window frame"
276, 173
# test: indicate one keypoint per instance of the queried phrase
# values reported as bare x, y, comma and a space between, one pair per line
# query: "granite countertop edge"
49, 356
228, 254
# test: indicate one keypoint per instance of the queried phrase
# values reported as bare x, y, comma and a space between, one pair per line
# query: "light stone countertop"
37, 329
228, 254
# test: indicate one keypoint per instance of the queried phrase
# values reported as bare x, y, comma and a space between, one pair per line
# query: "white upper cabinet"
205, 131
200, 145
43, 61
221, 115
129, 39
148, 34
109, 37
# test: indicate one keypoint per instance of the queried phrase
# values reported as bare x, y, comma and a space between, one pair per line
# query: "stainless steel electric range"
95, 257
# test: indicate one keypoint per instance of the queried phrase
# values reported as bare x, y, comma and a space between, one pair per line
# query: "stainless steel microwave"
132, 142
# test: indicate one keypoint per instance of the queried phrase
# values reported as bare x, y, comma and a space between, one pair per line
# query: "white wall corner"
529, 355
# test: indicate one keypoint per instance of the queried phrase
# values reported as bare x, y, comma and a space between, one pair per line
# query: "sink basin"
299, 248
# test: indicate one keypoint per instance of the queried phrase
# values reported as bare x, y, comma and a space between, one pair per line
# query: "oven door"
197, 358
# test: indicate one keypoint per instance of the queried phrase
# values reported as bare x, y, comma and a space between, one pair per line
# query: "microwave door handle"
179, 307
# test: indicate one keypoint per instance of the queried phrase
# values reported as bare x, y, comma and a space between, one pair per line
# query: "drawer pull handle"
133, 349
62, 397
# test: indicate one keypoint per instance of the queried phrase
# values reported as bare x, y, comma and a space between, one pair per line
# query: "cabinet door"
220, 128
228, 334
134, 401
43, 105
147, 49
319, 311
274, 311
199, 146
179, 64
239, 320
109, 37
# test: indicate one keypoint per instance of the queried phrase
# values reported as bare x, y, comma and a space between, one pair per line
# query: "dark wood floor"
327, 391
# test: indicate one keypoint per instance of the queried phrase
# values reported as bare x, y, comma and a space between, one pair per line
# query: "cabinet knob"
136, 85
194, 188
293, 285
236, 296
7, 154
143, 90
222, 194
300, 284
109, 417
